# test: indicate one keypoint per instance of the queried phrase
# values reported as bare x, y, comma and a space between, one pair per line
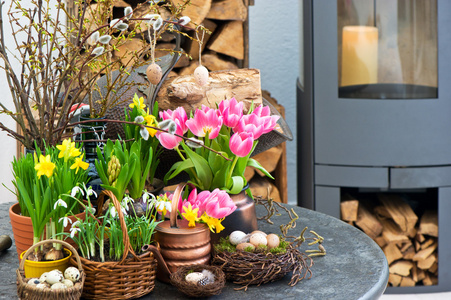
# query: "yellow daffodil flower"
138, 102
79, 163
190, 215
68, 149
150, 121
45, 166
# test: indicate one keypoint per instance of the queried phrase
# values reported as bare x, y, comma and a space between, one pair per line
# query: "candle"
359, 55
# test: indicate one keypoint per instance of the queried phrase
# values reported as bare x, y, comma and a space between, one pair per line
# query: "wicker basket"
30, 292
193, 290
130, 278
249, 268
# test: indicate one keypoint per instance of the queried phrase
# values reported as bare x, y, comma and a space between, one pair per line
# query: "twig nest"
201, 75
154, 73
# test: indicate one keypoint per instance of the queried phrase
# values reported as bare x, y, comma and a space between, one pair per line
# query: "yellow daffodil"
79, 163
45, 166
150, 121
138, 102
68, 149
190, 215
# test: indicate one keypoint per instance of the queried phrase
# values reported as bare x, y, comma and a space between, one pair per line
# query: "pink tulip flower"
194, 201
178, 116
219, 204
205, 120
169, 141
265, 113
241, 143
251, 123
232, 111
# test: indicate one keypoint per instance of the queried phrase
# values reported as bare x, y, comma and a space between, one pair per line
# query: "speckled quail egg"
58, 285
33, 281
236, 237
273, 240
194, 277
54, 276
244, 246
72, 274
201, 75
43, 277
68, 283
258, 239
43, 285
154, 73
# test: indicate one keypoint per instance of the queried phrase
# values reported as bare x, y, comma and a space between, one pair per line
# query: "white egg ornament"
72, 273
273, 240
194, 277
54, 277
236, 237
258, 239
201, 75
154, 73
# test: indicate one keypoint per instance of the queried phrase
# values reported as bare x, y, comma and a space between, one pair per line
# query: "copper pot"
179, 245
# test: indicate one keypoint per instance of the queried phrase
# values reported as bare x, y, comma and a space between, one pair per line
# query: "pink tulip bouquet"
217, 143
205, 207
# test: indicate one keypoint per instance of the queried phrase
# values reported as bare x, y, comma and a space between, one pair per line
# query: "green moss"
224, 245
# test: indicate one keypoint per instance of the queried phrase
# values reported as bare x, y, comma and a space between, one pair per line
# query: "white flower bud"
144, 134
104, 39
139, 119
98, 51
95, 37
184, 20
128, 12
194, 143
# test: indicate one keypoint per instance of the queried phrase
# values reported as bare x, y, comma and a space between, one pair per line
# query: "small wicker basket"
132, 277
194, 290
31, 292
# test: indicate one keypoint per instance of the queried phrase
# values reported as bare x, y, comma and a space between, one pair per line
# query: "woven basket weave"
30, 292
130, 278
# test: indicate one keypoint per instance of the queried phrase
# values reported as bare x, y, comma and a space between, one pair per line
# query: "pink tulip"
219, 204
178, 116
205, 120
251, 123
194, 201
269, 120
169, 141
232, 111
241, 143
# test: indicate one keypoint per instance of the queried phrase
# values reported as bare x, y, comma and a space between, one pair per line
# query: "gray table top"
354, 267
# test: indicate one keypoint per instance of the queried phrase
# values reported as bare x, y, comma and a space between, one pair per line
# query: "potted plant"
44, 182
215, 145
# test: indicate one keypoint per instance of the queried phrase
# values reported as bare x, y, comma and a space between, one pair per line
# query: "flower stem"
235, 160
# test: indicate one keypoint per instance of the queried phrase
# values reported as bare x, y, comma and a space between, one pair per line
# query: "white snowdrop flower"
160, 205
95, 37
168, 206
113, 211
66, 221
139, 119
75, 224
73, 231
128, 12
184, 20
98, 51
91, 192
105, 39
92, 210
194, 143
76, 190
60, 202
144, 133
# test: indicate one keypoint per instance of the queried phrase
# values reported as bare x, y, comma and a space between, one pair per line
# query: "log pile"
409, 241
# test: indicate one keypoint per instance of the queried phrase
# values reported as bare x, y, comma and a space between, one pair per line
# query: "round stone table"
354, 267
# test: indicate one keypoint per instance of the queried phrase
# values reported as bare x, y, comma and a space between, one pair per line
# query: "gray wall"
274, 49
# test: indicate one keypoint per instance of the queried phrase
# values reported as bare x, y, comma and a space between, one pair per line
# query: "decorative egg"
273, 240
154, 73
236, 237
54, 277
43, 285
243, 246
43, 277
33, 281
58, 285
258, 239
68, 283
201, 75
258, 231
194, 277
72, 273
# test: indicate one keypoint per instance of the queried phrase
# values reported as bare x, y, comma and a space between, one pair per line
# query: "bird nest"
256, 268
197, 290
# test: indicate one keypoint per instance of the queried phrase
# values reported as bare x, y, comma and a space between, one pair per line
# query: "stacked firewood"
409, 241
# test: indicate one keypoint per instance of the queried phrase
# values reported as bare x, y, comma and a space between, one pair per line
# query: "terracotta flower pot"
23, 229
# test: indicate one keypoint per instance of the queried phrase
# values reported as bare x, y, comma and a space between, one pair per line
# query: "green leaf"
237, 185
177, 168
201, 166
253, 163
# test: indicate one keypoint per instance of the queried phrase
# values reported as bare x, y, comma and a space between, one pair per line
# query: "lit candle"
359, 55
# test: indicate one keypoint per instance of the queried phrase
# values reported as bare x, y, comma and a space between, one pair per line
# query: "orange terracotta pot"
23, 229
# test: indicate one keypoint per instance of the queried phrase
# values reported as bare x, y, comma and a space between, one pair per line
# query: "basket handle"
175, 202
127, 246
65, 244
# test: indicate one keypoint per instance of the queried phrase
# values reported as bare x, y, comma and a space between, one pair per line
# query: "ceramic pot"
34, 269
23, 229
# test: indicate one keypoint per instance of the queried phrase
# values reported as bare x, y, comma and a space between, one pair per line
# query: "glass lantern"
387, 49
